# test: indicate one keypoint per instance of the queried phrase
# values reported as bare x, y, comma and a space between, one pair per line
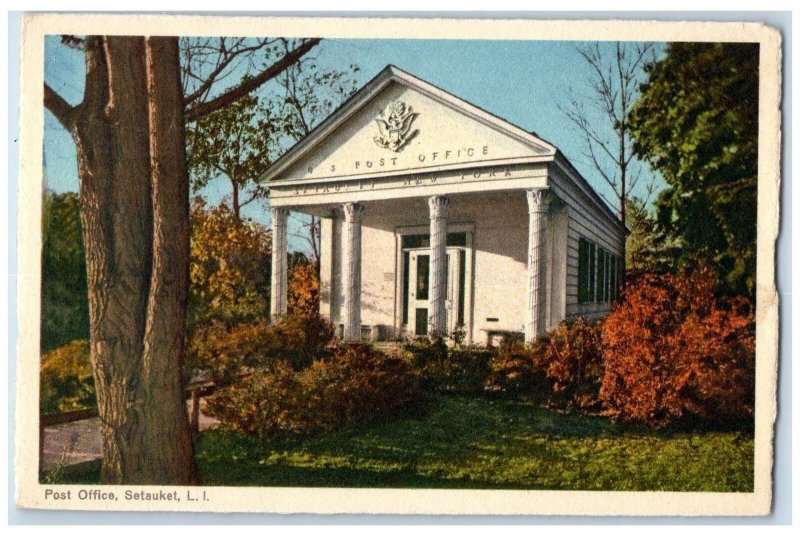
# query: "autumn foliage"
66, 380
303, 291
676, 353
571, 359
355, 382
230, 266
458, 369
514, 372
225, 351
562, 368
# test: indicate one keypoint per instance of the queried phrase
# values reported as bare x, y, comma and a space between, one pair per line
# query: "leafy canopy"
697, 123
237, 142
65, 306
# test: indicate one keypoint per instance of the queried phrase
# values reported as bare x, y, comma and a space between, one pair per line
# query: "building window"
598, 273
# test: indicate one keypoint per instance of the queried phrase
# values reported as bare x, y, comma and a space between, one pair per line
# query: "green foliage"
460, 369
237, 142
677, 354
482, 443
65, 305
66, 381
647, 249
356, 382
229, 269
696, 122
241, 140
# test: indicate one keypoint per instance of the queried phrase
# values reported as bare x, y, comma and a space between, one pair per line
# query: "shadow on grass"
481, 443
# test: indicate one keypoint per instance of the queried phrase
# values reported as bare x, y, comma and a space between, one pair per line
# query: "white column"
351, 271
538, 203
279, 262
437, 320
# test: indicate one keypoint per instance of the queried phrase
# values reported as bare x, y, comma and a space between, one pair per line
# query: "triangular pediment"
400, 124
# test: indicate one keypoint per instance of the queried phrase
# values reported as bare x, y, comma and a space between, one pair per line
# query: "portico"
438, 216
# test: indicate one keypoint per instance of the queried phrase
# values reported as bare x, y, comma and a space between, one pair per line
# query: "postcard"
397, 265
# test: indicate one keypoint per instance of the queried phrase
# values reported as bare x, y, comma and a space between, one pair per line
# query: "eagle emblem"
395, 126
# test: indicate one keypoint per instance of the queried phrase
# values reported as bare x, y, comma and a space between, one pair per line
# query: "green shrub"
66, 381
460, 369
355, 382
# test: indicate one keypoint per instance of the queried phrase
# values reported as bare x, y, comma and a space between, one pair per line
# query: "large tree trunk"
134, 188
134, 210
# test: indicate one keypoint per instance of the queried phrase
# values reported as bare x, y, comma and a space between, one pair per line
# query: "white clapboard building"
438, 216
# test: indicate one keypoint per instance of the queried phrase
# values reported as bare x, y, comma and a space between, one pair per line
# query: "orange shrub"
265, 403
570, 356
563, 367
356, 382
303, 291
223, 350
675, 353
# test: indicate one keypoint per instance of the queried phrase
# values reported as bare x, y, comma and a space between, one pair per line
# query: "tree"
230, 266
134, 194
241, 140
236, 142
613, 86
697, 123
648, 249
310, 95
65, 308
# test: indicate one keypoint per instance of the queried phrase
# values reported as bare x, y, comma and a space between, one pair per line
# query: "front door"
418, 296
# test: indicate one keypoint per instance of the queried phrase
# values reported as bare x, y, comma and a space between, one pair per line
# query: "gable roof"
392, 74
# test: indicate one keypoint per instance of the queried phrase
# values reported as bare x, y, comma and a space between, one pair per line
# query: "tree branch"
250, 84
225, 61
60, 108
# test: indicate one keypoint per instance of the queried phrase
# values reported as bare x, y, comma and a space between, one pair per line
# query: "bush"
300, 340
675, 353
66, 381
514, 371
355, 382
303, 292
460, 369
571, 358
225, 350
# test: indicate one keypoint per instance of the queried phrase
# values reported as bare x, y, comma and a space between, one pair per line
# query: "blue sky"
523, 82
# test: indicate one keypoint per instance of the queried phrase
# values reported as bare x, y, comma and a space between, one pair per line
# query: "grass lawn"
483, 443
